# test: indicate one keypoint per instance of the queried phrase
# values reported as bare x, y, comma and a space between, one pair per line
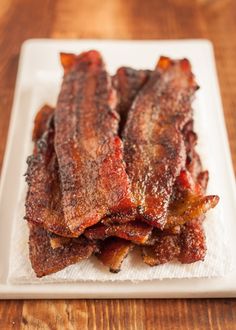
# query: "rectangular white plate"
38, 67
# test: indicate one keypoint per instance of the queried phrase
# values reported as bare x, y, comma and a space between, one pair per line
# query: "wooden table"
124, 19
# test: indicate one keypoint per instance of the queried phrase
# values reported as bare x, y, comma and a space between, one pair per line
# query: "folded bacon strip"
92, 171
154, 149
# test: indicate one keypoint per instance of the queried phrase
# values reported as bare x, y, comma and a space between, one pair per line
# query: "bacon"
202, 179
188, 246
128, 82
189, 208
58, 241
43, 201
113, 251
83, 198
45, 260
134, 231
188, 201
41, 121
166, 249
183, 237
90, 156
192, 242
154, 149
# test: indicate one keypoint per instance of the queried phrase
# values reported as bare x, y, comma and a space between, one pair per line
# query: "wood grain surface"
125, 19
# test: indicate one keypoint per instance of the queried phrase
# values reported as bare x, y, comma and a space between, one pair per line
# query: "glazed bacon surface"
128, 82
44, 200
183, 237
92, 172
134, 231
154, 149
45, 260
87, 196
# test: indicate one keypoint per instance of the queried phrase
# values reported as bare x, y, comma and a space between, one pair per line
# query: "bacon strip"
134, 231
92, 171
164, 250
41, 121
154, 149
43, 201
90, 183
45, 260
128, 82
188, 201
113, 251
183, 237
192, 242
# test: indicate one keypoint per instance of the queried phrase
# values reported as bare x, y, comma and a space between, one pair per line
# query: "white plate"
38, 68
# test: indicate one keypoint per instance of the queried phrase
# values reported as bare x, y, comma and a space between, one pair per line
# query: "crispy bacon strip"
43, 201
113, 251
183, 237
154, 149
134, 231
128, 82
92, 171
45, 260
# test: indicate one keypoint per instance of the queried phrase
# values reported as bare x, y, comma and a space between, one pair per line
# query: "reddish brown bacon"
45, 260
188, 201
92, 171
41, 121
165, 249
154, 149
134, 231
113, 251
183, 237
43, 201
79, 184
128, 82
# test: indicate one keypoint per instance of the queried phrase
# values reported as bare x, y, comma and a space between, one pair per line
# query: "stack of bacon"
114, 167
